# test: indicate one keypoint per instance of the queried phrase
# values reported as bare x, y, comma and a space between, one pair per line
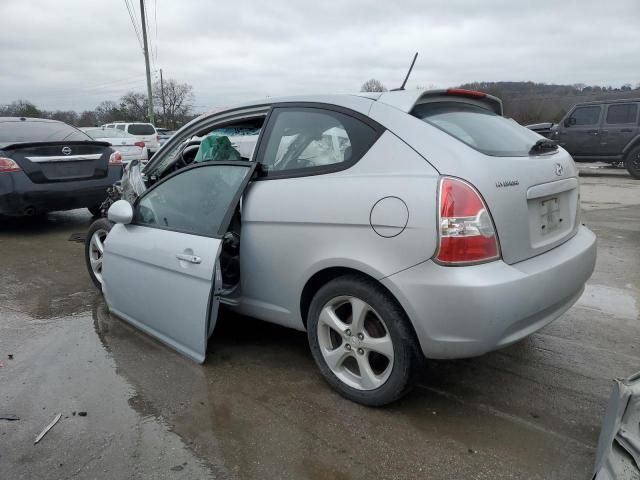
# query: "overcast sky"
72, 54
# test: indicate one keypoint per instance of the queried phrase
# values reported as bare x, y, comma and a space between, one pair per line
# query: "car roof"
362, 102
28, 119
602, 102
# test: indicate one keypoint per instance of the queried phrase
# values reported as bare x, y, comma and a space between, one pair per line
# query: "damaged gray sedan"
391, 227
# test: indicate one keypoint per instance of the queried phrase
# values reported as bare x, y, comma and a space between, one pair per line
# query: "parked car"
130, 147
47, 165
603, 131
390, 227
545, 128
142, 131
164, 134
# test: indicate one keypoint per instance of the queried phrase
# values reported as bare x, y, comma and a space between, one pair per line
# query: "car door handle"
626, 130
592, 132
188, 258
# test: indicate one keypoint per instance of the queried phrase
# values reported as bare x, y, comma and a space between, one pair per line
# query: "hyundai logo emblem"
66, 150
559, 169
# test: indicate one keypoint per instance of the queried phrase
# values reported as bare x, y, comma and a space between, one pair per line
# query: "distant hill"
529, 102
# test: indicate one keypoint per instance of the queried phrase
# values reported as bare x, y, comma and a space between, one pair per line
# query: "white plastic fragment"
47, 428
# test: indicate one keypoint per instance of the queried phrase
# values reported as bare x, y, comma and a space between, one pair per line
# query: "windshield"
108, 133
39, 131
141, 129
479, 128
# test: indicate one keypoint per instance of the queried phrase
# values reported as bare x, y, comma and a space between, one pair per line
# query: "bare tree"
107, 112
134, 107
176, 105
373, 85
88, 118
22, 108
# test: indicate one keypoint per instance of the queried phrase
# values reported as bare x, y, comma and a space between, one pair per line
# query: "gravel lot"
258, 407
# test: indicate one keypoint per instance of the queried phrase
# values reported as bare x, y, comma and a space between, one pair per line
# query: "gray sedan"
391, 227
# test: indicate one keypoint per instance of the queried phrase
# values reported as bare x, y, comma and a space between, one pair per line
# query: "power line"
155, 22
133, 22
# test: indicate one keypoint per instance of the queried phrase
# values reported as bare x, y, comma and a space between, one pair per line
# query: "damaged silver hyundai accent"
391, 227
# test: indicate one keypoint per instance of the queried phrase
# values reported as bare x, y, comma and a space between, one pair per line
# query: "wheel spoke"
98, 243
382, 345
335, 357
368, 379
96, 264
329, 318
359, 311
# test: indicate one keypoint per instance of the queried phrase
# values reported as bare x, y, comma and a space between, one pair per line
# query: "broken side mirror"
120, 212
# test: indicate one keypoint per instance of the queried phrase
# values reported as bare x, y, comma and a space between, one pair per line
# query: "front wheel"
362, 341
632, 162
94, 249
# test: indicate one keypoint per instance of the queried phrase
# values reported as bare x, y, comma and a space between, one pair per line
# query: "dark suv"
602, 131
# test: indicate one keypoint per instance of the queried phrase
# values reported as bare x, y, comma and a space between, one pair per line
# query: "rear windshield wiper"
543, 145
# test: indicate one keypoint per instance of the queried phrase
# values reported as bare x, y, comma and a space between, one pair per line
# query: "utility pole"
164, 113
146, 62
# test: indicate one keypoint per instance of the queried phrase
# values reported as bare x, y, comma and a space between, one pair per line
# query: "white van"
143, 131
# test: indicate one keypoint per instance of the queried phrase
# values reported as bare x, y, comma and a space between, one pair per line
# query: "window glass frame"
224, 225
597, 122
269, 126
633, 122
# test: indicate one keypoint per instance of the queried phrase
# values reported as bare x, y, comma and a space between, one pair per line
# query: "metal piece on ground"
9, 416
618, 452
47, 428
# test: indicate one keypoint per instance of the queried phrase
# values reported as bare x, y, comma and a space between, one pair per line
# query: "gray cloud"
76, 53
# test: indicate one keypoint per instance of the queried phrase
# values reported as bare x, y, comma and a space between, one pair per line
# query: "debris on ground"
9, 417
78, 237
82, 414
10, 356
47, 428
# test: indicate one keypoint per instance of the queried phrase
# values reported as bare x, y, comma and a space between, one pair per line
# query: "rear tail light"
158, 138
139, 144
8, 165
115, 158
466, 231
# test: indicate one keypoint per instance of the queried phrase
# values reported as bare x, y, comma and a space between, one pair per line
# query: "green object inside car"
216, 148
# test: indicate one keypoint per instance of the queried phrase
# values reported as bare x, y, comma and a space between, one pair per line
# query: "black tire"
632, 162
95, 210
100, 224
405, 345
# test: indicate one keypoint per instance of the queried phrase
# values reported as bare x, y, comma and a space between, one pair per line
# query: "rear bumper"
20, 196
467, 311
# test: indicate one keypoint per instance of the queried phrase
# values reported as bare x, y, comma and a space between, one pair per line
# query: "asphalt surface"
258, 407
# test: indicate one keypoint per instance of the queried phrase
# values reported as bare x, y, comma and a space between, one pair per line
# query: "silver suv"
390, 227
602, 131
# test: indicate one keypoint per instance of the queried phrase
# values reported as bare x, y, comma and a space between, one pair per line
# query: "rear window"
107, 133
625, 113
35, 131
479, 128
141, 129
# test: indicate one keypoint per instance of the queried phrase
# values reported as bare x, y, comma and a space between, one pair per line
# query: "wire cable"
133, 22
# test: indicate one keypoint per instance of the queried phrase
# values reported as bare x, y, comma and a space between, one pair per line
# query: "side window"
302, 138
195, 201
625, 113
585, 116
120, 127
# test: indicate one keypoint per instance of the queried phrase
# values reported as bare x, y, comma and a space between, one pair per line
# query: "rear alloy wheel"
94, 249
632, 162
361, 340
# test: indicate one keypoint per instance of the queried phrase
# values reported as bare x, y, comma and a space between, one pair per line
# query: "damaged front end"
128, 188
618, 452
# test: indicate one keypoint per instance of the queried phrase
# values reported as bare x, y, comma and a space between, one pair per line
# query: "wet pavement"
258, 407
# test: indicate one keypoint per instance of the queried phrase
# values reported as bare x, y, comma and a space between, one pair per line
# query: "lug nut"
348, 332
360, 351
347, 346
360, 336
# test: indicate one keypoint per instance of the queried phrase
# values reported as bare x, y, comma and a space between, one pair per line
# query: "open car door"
160, 273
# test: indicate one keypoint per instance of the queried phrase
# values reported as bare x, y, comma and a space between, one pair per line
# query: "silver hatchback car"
391, 227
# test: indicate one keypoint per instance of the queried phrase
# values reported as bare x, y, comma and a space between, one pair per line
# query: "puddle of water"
615, 301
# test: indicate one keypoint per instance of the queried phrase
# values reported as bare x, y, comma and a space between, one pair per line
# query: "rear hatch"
45, 162
145, 132
532, 192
